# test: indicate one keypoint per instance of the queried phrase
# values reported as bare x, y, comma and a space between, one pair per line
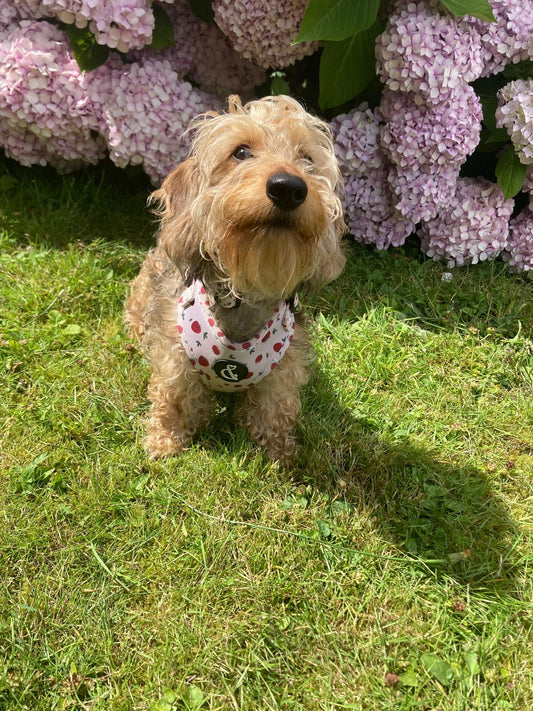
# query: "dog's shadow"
448, 516
425, 507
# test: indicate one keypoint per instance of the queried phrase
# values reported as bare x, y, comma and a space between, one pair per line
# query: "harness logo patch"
231, 371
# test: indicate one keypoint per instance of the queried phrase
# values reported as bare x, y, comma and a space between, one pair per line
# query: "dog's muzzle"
286, 191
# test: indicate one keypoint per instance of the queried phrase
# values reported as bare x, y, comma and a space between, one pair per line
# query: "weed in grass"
389, 569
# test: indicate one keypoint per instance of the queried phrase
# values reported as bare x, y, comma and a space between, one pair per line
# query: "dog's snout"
286, 191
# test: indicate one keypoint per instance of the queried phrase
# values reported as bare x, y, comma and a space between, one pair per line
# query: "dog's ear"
333, 256
177, 234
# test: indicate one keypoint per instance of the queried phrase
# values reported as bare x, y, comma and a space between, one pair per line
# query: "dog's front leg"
270, 409
180, 407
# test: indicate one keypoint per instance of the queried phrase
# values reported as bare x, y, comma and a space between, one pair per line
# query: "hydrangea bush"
430, 101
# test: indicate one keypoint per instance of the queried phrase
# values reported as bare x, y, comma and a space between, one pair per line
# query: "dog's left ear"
177, 234
334, 256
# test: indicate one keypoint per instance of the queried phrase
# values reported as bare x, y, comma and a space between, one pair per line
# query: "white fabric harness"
223, 364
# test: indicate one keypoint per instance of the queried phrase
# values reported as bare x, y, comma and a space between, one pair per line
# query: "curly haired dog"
252, 217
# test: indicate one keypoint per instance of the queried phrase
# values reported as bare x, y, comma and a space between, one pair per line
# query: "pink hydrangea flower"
369, 205
515, 114
370, 212
357, 140
519, 248
45, 113
221, 69
507, 39
472, 228
263, 31
144, 111
430, 136
428, 52
120, 24
420, 193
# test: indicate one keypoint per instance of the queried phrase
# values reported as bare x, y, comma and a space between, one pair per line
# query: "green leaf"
73, 329
471, 663
336, 19
476, 8
347, 67
163, 34
325, 530
166, 702
87, 52
409, 678
510, 173
203, 9
438, 668
499, 135
279, 85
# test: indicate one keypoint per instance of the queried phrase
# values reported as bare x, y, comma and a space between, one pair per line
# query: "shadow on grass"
48, 210
426, 507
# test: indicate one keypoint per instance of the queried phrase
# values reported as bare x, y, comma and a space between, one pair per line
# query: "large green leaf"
476, 8
347, 67
336, 19
163, 34
87, 52
510, 173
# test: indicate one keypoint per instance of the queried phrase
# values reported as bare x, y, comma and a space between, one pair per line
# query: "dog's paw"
162, 446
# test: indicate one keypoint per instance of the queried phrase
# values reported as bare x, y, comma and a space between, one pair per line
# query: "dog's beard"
269, 261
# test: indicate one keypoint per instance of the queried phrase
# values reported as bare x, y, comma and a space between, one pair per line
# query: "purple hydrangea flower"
427, 52
430, 136
472, 228
519, 249
507, 39
515, 113
221, 69
356, 141
263, 31
121, 24
45, 113
368, 201
419, 194
144, 110
370, 211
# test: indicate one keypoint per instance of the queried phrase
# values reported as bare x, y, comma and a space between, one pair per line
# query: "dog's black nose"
286, 191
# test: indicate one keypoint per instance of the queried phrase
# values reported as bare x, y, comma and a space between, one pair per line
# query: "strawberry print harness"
223, 364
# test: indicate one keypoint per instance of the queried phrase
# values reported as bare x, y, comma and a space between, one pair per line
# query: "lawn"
389, 568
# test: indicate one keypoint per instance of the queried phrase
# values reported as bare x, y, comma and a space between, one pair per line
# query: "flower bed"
451, 88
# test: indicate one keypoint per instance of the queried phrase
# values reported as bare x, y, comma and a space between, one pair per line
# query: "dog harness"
223, 364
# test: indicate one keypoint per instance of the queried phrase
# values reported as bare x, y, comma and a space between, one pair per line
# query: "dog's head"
257, 201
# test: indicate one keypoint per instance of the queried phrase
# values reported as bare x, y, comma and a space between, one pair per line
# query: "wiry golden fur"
218, 223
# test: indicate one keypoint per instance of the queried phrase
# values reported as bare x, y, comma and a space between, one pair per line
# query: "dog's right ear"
177, 233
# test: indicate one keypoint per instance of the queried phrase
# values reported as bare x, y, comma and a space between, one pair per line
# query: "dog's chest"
226, 363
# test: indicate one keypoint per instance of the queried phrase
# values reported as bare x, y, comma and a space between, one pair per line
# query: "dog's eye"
307, 160
242, 153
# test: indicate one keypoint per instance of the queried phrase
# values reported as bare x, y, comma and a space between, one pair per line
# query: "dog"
248, 221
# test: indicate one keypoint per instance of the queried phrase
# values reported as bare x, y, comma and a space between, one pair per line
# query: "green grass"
389, 569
